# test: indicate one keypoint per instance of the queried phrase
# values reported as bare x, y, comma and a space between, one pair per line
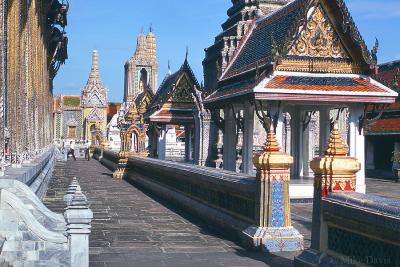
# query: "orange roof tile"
330, 84
387, 125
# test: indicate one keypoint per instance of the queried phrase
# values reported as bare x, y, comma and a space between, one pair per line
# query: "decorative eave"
367, 89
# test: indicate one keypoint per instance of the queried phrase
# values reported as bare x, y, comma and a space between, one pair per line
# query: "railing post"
120, 172
273, 211
334, 172
70, 192
79, 218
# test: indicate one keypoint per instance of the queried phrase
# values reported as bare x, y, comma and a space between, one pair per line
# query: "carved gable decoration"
318, 38
144, 103
182, 91
95, 116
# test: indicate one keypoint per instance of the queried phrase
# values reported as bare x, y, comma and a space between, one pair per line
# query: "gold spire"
336, 146
272, 144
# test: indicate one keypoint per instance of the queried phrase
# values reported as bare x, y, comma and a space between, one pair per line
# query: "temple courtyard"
132, 227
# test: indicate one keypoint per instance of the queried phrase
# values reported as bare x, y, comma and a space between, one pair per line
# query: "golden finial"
336, 146
272, 144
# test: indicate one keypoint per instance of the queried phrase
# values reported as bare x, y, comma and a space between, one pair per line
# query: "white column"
357, 145
188, 143
229, 148
248, 133
324, 128
162, 143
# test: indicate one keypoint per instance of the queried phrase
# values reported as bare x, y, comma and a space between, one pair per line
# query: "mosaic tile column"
273, 175
334, 172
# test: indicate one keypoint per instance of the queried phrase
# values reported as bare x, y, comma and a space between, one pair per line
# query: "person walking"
71, 150
87, 150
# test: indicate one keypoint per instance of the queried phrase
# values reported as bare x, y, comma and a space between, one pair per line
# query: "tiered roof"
308, 50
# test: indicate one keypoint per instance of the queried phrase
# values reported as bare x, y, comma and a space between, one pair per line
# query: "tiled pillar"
276, 232
229, 148
247, 150
334, 172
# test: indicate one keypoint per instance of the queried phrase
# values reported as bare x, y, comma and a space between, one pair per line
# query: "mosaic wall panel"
236, 205
72, 115
358, 248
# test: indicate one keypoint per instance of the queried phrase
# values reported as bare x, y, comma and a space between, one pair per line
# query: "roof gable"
301, 34
174, 88
318, 38
95, 116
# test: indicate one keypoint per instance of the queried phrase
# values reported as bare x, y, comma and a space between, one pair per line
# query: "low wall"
36, 174
361, 229
224, 198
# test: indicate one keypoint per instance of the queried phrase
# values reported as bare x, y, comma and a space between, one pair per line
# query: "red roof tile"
388, 125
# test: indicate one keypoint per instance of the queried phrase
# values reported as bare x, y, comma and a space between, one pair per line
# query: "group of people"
71, 150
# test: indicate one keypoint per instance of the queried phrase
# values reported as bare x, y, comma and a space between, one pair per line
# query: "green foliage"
72, 102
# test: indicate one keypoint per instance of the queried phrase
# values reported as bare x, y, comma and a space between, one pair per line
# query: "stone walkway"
133, 228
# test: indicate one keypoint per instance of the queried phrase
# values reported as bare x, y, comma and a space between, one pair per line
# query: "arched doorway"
134, 140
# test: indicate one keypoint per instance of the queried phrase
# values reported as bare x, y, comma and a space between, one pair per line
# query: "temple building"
172, 109
141, 70
94, 103
383, 135
33, 46
301, 65
141, 74
68, 118
83, 117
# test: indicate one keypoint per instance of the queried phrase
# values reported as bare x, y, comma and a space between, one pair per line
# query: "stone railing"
32, 235
240, 204
35, 174
361, 229
349, 228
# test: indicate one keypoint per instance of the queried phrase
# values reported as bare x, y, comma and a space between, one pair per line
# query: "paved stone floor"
134, 228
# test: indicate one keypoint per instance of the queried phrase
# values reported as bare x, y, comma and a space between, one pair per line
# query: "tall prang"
241, 16
94, 102
141, 70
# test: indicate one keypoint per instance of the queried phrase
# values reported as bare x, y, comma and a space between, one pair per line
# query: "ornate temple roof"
273, 33
173, 100
167, 86
94, 94
305, 48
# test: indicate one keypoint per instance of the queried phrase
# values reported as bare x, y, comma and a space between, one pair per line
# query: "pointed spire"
187, 53
336, 146
272, 144
169, 68
151, 27
94, 72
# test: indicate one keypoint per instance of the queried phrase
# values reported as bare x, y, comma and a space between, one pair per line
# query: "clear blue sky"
112, 28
